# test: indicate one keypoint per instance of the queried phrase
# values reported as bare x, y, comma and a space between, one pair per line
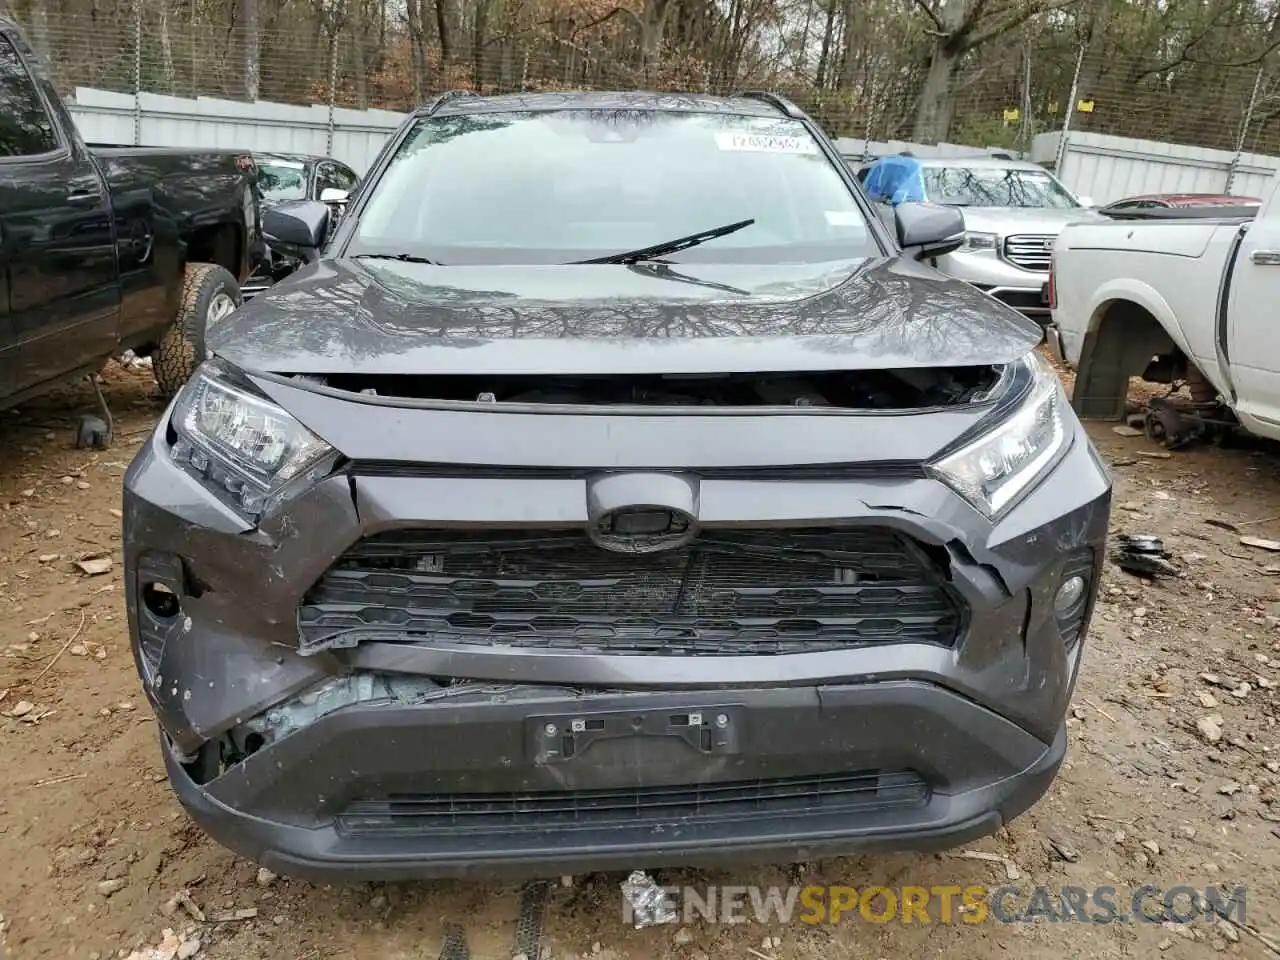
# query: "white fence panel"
1101, 167
358, 135
1107, 168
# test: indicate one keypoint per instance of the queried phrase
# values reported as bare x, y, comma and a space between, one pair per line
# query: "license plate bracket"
712, 731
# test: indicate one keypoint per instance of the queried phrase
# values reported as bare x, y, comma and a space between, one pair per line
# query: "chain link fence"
1029, 85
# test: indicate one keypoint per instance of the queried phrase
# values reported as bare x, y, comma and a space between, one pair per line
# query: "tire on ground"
181, 348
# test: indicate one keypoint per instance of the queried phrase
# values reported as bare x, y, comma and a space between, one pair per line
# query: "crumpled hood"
1034, 220
388, 317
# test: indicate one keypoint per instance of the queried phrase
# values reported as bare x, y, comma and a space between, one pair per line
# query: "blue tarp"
895, 180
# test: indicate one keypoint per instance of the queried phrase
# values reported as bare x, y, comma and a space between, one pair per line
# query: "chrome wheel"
220, 306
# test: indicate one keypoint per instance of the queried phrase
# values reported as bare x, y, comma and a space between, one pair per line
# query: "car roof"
979, 161
607, 100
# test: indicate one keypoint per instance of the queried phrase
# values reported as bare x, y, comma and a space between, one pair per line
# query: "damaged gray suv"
611, 488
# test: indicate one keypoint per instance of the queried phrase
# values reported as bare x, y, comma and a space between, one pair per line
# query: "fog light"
160, 600
1069, 595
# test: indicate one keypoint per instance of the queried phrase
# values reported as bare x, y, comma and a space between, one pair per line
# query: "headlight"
994, 470
245, 448
981, 241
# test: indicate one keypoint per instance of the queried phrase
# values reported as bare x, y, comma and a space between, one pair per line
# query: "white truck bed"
1171, 268
1204, 290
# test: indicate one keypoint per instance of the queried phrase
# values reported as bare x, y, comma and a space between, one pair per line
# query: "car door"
57, 235
1253, 335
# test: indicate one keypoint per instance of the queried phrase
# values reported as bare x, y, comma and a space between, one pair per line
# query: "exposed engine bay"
862, 389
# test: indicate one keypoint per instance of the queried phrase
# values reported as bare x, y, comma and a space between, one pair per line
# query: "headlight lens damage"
994, 470
244, 447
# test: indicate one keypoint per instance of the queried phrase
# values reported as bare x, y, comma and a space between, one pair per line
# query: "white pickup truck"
1174, 297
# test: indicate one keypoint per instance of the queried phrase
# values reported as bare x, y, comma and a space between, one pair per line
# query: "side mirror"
1086, 201
334, 195
928, 229
297, 228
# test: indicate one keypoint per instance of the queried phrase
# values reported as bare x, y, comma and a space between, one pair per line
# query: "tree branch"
960, 36
1185, 54
599, 20
1248, 62
1014, 21
932, 14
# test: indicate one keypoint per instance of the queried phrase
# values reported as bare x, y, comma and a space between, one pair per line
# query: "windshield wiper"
402, 257
671, 246
662, 271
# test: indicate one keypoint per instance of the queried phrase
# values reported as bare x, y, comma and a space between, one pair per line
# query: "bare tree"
924, 70
958, 28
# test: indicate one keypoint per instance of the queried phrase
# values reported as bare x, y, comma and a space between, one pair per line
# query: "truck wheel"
209, 293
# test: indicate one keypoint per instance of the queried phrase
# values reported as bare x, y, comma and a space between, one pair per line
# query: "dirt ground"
93, 847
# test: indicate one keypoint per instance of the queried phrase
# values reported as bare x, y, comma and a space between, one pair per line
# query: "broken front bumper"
397, 791
404, 756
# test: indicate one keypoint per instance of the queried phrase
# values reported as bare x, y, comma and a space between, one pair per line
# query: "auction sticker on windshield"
764, 143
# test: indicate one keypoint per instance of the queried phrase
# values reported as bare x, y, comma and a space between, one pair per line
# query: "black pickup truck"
108, 249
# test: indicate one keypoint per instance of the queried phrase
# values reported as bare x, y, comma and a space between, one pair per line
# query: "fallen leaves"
1011, 870
232, 916
1261, 543
171, 947
1210, 727
27, 712
94, 566
182, 900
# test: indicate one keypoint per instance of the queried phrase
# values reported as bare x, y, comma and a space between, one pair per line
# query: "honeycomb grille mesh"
726, 593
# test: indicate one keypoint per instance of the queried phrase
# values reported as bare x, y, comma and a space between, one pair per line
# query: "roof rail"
446, 97
774, 100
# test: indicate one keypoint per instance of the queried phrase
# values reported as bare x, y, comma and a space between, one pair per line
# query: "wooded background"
984, 72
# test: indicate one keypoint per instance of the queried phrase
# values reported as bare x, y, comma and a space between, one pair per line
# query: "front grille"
1030, 251
729, 592
472, 813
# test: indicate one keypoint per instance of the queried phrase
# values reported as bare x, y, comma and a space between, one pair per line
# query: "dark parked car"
1182, 206
646, 501
108, 249
1179, 201
289, 176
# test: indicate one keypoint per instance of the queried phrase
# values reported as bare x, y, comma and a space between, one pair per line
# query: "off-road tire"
181, 348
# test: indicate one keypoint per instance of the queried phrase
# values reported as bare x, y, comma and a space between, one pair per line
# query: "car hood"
389, 317
1013, 220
